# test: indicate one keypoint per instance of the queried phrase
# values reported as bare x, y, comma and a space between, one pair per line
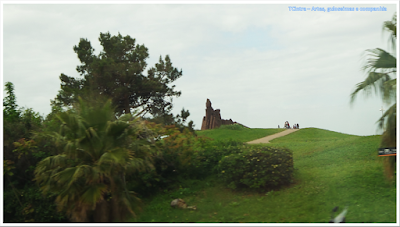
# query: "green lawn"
238, 133
331, 169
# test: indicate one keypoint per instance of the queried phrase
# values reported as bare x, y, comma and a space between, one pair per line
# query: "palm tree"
96, 151
381, 69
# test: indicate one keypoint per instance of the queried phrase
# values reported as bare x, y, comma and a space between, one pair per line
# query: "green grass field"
238, 133
331, 169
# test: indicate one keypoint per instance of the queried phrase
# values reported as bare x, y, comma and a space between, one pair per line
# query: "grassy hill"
237, 132
331, 169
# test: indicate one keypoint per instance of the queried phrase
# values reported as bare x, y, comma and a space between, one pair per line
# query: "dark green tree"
10, 107
117, 72
167, 118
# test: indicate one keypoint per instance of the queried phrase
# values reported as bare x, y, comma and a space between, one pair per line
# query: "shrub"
29, 205
181, 156
257, 167
210, 152
172, 163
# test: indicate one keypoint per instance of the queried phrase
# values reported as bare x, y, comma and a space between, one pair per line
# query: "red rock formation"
213, 118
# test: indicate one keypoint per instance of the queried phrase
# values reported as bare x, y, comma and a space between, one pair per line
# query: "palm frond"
380, 60
390, 117
373, 80
390, 91
93, 194
67, 176
115, 158
73, 126
391, 27
117, 132
51, 163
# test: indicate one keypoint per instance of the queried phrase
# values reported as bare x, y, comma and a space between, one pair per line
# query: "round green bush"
258, 168
205, 160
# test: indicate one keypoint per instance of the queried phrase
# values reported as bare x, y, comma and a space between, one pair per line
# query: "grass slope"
237, 132
331, 169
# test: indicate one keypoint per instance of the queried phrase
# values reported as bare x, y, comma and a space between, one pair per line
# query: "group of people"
287, 125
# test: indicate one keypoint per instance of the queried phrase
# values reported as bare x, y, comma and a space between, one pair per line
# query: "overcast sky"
260, 64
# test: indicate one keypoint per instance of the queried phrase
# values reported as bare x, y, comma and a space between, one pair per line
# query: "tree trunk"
115, 210
102, 212
127, 107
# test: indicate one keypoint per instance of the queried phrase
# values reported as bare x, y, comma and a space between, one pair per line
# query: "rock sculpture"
213, 118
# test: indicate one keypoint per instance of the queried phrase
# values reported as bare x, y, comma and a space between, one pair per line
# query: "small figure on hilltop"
287, 124
297, 126
180, 203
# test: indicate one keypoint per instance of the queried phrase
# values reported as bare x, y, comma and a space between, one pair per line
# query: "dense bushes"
22, 199
181, 155
172, 160
258, 168
209, 152
29, 205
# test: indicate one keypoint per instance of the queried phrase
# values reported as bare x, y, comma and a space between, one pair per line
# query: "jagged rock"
213, 118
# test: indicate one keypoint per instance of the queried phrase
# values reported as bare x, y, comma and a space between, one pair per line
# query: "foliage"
180, 156
177, 149
168, 119
10, 108
22, 199
175, 154
381, 68
117, 73
7, 167
18, 145
24, 147
11, 116
30, 206
180, 120
210, 152
257, 167
31, 119
95, 152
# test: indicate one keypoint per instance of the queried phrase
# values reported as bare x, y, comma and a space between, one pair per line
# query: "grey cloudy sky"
261, 64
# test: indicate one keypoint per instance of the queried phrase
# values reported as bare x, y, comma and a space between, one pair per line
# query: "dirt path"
271, 137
